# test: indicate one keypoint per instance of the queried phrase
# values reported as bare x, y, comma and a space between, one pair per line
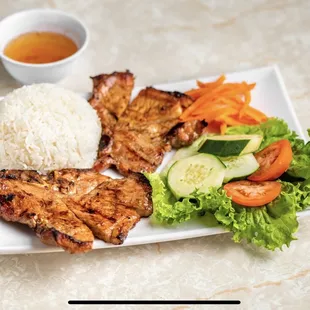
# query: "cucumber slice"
231, 145
185, 152
198, 172
239, 167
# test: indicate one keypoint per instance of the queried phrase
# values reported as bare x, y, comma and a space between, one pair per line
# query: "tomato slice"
273, 161
253, 194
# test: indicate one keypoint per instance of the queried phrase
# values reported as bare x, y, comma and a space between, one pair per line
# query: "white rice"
45, 127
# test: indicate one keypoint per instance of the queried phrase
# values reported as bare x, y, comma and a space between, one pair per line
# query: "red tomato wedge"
273, 161
253, 194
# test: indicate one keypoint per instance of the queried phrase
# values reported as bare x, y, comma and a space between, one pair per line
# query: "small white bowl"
41, 20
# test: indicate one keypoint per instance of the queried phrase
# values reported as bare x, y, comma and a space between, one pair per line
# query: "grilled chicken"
144, 132
69, 207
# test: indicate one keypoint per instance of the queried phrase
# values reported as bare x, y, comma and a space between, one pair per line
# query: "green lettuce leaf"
245, 130
166, 209
270, 226
304, 195
300, 165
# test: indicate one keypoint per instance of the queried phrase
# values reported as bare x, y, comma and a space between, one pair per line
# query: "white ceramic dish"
41, 20
269, 95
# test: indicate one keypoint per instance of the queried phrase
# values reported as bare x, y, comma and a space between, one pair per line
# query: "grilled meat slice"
76, 182
154, 112
80, 182
140, 135
124, 188
44, 212
108, 221
29, 176
137, 135
110, 98
185, 134
104, 160
61, 205
114, 91
111, 209
105, 205
135, 152
111, 95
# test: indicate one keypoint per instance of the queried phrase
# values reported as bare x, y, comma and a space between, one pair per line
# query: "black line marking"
154, 302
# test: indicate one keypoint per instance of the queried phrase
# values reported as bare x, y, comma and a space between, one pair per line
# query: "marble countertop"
161, 41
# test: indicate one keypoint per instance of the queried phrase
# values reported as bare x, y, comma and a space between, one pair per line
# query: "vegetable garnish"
253, 194
223, 104
268, 218
198, 172
300, 165
270, 226
273, 161
276, 129
231, 145
239, 166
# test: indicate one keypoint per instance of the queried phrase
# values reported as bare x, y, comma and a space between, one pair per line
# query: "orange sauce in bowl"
40, 47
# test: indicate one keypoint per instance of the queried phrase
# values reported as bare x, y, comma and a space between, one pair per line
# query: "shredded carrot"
219, 113
231, 121
222, 104
247, 99
209, 85
230, 102
223, 128
256, 114
246, 120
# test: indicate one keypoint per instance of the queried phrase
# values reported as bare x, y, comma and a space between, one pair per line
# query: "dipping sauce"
40, 47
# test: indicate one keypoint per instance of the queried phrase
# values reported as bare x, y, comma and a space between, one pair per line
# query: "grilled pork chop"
45, 212
68, 207
145, 130
110, 98
111, 95
106, 205
140, 134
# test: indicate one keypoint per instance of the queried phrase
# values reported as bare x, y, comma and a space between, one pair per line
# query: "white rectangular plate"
269, 95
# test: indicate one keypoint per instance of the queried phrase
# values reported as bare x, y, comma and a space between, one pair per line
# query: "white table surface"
161, 41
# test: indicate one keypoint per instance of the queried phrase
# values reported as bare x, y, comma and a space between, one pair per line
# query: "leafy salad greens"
271, 225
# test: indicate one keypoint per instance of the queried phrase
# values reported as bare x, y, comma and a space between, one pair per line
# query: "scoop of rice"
45, 127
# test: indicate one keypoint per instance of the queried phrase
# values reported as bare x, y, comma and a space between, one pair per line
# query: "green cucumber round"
198, 172
239, 167
184, 152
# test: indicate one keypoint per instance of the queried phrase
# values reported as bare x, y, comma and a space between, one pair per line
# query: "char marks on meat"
43, 211
69, 207
145, 130
110, 97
